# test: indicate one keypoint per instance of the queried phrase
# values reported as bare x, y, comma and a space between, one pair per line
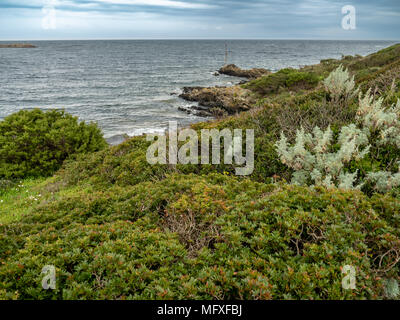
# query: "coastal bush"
303, 80
378, 59
124, 164
340, 85
314, 160
385, 81
35, 143
283, 79
319, 159
251, 241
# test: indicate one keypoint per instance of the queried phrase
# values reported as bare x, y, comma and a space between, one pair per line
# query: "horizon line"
216, 39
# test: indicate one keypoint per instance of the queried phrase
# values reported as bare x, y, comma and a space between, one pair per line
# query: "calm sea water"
131, 87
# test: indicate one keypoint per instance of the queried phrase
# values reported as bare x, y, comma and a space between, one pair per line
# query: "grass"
20, 199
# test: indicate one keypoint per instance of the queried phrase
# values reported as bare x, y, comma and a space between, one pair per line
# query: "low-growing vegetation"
284, 79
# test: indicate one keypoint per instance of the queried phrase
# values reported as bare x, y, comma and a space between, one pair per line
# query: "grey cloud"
255, 18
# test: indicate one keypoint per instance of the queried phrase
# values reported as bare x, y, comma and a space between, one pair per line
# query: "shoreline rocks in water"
220, 101
235, 71
17, 45
217, 101
199, 111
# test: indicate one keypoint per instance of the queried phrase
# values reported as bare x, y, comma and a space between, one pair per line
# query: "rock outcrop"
217, 101
233, 70
17, 45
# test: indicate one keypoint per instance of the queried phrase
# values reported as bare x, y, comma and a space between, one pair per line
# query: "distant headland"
17, 45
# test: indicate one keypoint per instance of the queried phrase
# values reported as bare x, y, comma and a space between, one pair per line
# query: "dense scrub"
210, 237
116, 227
286, 78
35, 143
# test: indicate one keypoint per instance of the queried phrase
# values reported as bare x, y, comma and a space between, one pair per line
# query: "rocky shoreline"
220, 101
17, 45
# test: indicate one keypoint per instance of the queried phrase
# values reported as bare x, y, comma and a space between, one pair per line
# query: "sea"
132, 87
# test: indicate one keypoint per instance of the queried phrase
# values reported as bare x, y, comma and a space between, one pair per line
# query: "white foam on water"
142, 131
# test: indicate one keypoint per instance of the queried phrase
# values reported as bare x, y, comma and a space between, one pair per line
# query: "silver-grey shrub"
340, 84
313, 157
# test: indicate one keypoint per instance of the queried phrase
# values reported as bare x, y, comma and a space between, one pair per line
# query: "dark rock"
186, 110
230, 99
204, 114
17, 45
200, 108
233, 70
197, 110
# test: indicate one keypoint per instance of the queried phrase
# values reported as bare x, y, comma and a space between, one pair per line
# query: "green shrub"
377, 59
35, 143
124, 164
383, 80
305, 80
283, 79
202, 237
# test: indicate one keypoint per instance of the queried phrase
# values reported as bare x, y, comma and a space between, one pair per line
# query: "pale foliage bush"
319, 159
373, 115
339, 84
313, 161
384, 181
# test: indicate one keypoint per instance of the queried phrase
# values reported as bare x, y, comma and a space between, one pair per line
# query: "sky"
197, 19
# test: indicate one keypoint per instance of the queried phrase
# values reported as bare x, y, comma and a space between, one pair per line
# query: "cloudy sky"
194, 19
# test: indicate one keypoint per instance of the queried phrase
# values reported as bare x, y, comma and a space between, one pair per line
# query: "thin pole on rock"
226, 53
